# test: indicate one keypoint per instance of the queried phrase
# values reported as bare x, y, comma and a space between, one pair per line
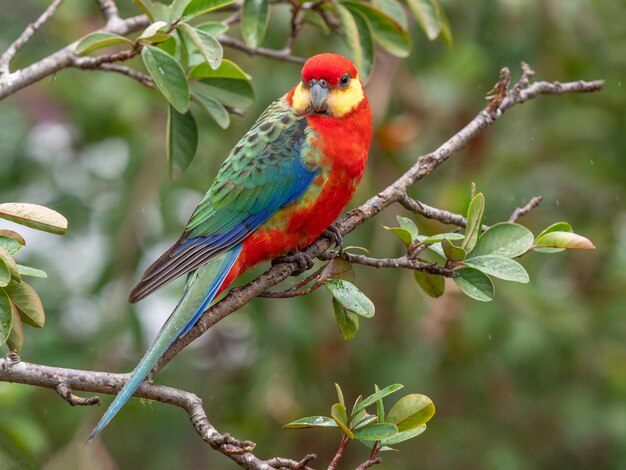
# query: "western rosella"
280, 188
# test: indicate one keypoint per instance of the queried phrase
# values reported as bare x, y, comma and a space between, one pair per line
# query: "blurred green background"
535, 379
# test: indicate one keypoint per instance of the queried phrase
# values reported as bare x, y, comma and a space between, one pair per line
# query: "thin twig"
8, 55
522, 211
284, 55
142, 78
342, 447
394, 263
369, 463
430, 212
62, 380
65, 392
109, 11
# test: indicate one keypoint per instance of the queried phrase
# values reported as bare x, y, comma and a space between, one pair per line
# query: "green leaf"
408, 225
411, 411
350, 297
377, 395
34, 216
254, 20
380, 406
567, 240
199, 7
216, 28
342, 401
207, 45
177, 8
504, 239
475, 284
403, 234
231, 92
168, 77
182, 141
98, 40
146, 7
213, 107
338, 269
8, 268
27, 302
500, 267
338, 413
403, 436
556, 227
32, 272
228, 69
427, 16
357, 34
446, 31
312, 422
347, 321
375, 432
362, 420
394, 9
474, 222
440, 236
11, 241
452, 252
387, 31
153, 33
6, 316
16, 336
432, 284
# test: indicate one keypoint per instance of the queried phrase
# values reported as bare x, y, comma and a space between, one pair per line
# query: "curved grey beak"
319, 94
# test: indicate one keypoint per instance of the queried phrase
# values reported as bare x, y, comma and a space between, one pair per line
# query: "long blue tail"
200, 290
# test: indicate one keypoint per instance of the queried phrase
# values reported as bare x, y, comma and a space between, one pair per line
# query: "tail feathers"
195, 299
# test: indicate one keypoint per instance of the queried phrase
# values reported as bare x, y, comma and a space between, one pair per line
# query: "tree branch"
12, 369
284, 55
522, 211
8, 55
109, 11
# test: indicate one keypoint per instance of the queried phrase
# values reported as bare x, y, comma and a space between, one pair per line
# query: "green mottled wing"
268, 169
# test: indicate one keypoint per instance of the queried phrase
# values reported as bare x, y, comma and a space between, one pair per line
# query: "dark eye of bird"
344, 80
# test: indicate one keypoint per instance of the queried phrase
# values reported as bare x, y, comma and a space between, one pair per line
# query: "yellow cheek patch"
300, 99
342, 101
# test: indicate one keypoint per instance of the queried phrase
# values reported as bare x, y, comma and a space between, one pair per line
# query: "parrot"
279, 189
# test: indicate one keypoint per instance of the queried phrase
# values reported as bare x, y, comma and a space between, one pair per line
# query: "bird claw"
305, 262
334, 235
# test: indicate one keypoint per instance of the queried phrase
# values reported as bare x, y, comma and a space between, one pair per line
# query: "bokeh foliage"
534, 379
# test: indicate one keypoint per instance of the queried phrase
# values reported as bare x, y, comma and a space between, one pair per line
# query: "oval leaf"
394, 9
411, 411
338, 413
556, 227
199, 7
8, 268
474, 221
452, 252
32, 272
214, 108
387, 31
403, 436
27, 302
215, 28
98, 40
475, 284
440, 236
504, 239
312, 422
16, 336
426, 14
182, 141
6, 316
347, 321
168, 77
153, 33
376, 432
34, 216
348, 295
433, 285
254, 19
380, 394
358, 36
500, 267
338, 269
207, 45
11, 241
567, 240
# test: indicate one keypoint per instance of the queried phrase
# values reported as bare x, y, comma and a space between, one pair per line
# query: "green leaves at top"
432, 19
199, 7
98, 40
377, 395
312, 422
208, 46
500, 267
358, 36
387, 31
182, 141
474, 284
168, 76
254, 20
474, 222
407, 231
376, 432
228, 84
504, 239
339, 414
34, 216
